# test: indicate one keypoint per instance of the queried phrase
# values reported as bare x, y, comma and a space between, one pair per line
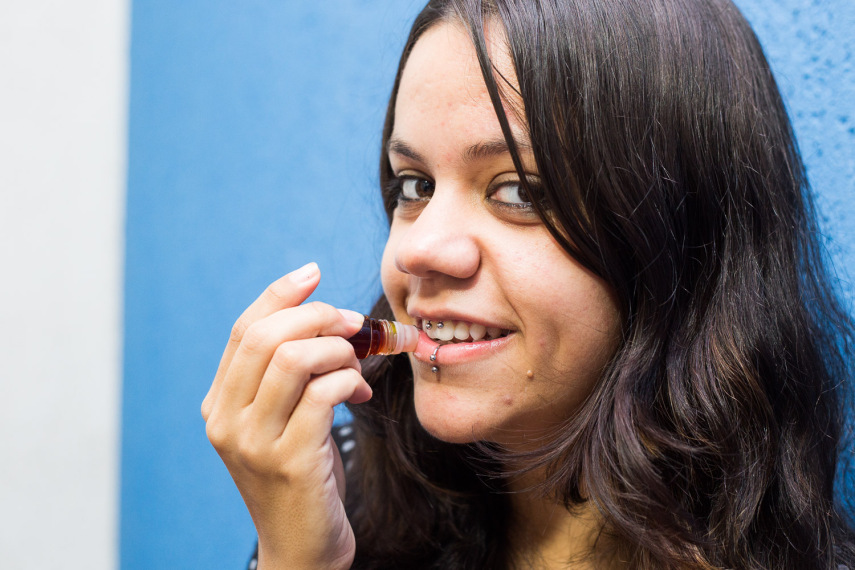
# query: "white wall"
63, 92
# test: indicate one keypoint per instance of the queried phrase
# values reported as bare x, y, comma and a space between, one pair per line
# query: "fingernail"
352, 316
304, 273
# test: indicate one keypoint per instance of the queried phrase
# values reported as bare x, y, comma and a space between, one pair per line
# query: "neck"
546, 535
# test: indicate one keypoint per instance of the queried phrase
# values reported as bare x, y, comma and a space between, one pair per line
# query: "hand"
269, 413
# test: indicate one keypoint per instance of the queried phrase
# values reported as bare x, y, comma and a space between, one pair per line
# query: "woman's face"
465, 246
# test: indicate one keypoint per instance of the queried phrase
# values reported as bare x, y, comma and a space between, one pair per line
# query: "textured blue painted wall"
811, 46
253, 141
254, 137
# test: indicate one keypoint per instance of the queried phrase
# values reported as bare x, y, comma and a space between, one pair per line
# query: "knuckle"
312, 394
279, 290
319, 394
354, 378
239, 329
264, 460
286, 358
255, 337
323, 310
219, 437
252, 454
344, 346
275, 292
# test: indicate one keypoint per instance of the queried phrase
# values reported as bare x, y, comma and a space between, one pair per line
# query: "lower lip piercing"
434, 368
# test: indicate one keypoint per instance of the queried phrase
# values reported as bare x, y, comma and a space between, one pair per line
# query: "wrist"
268, 559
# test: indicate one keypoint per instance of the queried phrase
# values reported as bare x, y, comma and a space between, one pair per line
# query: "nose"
441, 240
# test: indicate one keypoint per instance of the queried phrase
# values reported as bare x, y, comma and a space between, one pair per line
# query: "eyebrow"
478, 151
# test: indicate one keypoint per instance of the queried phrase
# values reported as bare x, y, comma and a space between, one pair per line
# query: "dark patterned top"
343, 437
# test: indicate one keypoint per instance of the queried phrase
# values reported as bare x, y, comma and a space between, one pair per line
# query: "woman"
614, 190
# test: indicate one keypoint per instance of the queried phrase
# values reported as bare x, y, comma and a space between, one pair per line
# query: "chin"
451, 417
447, 432
461, 416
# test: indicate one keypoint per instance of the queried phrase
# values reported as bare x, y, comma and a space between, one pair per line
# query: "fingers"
287, 291
270, 409
264, 338
292, 367
311, 420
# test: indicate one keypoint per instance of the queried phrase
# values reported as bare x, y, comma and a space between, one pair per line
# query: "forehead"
442, 82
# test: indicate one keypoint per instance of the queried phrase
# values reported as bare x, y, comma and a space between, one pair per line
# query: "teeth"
458, 331
461, 331
446, 332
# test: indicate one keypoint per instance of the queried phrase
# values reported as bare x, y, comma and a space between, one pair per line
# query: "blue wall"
254, 137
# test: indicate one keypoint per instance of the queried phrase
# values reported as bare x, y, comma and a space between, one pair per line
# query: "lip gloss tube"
379, 336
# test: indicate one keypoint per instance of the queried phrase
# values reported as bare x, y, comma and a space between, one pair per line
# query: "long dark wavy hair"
669, 169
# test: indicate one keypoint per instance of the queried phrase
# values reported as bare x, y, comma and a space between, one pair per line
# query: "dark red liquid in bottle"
378, 336
366, 339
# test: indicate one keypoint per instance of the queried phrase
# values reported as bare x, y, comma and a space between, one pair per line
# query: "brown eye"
512, 194
416, 188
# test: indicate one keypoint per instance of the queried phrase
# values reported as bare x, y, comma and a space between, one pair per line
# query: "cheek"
572, 321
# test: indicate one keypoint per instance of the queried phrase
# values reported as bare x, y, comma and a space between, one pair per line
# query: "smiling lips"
461, 341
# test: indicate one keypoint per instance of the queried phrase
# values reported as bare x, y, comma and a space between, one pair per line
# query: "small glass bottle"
379, 336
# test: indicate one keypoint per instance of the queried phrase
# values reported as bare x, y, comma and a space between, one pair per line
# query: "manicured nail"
352, 316
304, 273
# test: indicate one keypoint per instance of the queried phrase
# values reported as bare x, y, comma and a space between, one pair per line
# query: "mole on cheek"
508, 400
529, 375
